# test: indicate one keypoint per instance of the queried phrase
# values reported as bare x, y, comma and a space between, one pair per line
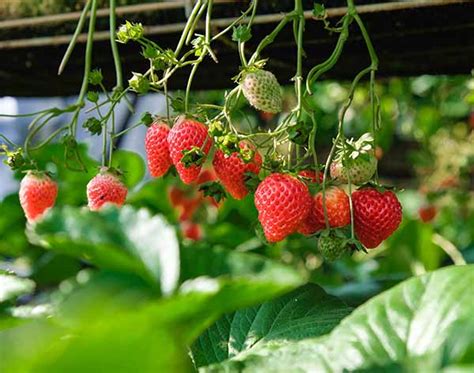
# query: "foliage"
122, 289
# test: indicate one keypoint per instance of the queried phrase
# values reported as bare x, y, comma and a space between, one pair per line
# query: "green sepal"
213, 189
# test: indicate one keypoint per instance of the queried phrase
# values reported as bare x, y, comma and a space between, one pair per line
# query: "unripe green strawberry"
262, 91
355, 161
38, 193
360, 170
332, 248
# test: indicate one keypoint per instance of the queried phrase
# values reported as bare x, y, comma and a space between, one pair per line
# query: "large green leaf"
113, 321
13, 286
132, 166
123, 239
305, 312
123, 343
403, 325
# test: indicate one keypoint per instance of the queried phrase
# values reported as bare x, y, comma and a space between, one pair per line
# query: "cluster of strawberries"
286, 206
38, 192
189, 201
283, 200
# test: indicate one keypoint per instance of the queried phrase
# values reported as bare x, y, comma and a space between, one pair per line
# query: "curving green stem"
195, 22
49, 138
75, 36
188, 27
299, 23
267, 40
327, 65
252, 8
206, 49
35, 128
87, 67
113, 44
8, 141
375, 105
88, 57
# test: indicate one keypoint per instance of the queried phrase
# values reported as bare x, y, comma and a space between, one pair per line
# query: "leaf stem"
114, 46
75, 36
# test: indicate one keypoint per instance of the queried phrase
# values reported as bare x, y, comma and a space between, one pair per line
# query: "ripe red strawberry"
376, 215
311, 176
283, 202
206, 176
337, 207
176, 196
188, 134
338, 210
105, 187
311, 224
38, 193
156, 147
191, 230
231, 170
427, 213
188, 207
262, 91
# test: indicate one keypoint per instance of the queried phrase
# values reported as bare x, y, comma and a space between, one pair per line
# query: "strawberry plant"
154, 275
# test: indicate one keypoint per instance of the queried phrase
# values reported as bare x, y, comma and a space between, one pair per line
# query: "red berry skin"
427, 213
176, 196
231, 170
38, 193
283, 202
310, 225
192, 231
338, 211
337, 207
311, 176
185, 135
376, 215
206, 176
157, 151
188, 207
105, 188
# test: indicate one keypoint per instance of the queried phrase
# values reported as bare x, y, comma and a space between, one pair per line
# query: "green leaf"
241, 33
12, 220
125, 240
132, 166
50, 268
12, 287
114, 322
402, 325
122, 343
305, 312
215, 262
319, 11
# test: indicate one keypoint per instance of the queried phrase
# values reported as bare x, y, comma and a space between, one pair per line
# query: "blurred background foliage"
427, 152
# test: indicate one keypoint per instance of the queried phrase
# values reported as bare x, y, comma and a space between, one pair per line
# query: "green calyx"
130, 31
213, 189
193, 157
93, 125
